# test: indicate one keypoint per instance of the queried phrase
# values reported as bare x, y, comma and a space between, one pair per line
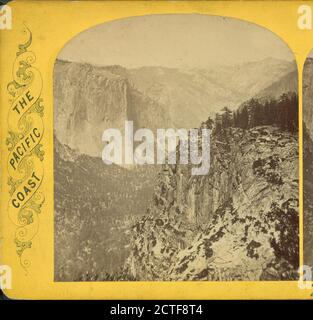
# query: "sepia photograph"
176, 152
307, 91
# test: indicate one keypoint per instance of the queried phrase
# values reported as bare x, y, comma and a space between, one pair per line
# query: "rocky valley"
240, 222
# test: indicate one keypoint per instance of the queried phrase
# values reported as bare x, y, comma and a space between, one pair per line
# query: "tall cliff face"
239, 222
90, 99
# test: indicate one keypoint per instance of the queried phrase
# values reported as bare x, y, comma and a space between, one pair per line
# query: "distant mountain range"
89, 99
206, 91
308, 159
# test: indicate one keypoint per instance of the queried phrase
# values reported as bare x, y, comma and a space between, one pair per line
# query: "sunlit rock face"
90, 99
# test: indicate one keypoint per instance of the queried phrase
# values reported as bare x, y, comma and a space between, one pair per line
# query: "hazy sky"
175, 41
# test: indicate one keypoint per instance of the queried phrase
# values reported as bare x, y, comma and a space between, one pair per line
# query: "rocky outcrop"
240, 222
